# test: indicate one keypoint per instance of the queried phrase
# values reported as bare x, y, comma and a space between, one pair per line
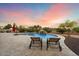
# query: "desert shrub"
21, 29
61, 30
48, 30
8, 26
35, 28
76, 29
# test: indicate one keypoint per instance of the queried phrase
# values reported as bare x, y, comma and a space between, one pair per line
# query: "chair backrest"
53, 39
35, 38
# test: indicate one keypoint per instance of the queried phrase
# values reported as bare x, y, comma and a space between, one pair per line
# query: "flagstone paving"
11, 45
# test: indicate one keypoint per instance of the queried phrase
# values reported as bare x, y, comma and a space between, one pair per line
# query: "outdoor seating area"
11, 45
55, 41
37, 41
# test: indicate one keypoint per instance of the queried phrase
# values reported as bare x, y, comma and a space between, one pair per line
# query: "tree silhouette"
8, 26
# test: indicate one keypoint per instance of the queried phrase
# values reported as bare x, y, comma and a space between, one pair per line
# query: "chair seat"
35, 42
36, 45
53, 42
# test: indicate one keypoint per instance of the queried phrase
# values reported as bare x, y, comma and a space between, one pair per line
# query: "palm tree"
35, 28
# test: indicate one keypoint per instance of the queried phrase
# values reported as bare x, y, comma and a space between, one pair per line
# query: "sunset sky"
44, 14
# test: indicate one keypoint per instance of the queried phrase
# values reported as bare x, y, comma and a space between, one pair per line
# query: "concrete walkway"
11, 45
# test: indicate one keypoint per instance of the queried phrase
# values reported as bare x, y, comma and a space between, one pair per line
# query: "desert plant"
35, 28
47, 29
61, 30
21, 28
8, 26
68, 25
76, 29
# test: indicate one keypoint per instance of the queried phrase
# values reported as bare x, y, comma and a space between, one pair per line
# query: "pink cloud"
58, 11
19, 17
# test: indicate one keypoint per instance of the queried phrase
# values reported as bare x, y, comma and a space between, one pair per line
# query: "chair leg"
47, 45
30, 45
41, 44
33, 42
60, 48
56, 43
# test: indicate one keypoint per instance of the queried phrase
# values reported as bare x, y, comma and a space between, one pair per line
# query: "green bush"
35, 28
29, 29
21, 29
8, 26
61, 30
48, 30
76, 29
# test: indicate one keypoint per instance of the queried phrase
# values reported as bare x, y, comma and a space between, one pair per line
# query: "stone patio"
11, 45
